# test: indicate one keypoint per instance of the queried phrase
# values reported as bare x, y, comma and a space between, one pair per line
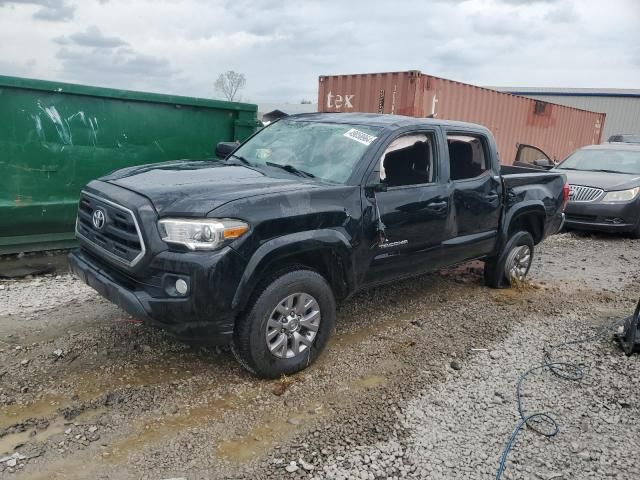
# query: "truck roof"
381, 120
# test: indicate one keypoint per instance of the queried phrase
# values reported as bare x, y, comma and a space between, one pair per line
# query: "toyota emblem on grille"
99, 218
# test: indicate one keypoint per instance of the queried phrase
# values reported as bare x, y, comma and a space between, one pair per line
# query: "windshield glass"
327, 151
620, 161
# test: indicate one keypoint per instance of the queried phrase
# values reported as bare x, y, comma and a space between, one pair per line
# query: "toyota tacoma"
255, 249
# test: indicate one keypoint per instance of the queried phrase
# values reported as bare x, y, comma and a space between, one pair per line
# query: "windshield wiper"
607, 171
242, 159
566, 168
292, 169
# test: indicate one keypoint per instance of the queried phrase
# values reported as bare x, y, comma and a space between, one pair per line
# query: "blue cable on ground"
537, 421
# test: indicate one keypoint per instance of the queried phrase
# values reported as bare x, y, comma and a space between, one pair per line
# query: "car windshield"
607, 160
327, 151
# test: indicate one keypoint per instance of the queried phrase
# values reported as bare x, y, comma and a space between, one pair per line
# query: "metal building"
622, 106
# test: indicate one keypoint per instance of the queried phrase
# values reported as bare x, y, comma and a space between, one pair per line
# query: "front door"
532, 157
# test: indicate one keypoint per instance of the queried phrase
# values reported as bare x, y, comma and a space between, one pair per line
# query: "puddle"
262, 437
12, 441
279, 426
93, 384
370, 381
46, 407
509, 296
368, 332
63, 469
171, 425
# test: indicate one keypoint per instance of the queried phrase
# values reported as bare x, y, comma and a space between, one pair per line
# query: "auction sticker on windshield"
361, 137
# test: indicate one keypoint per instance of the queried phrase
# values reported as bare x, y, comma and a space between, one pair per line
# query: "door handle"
437, 204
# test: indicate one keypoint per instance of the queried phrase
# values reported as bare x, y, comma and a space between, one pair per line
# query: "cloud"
50, 10
121, 68
562, 14
282, 47
23, 69
527, 2
634, 55
91, 37
121, 61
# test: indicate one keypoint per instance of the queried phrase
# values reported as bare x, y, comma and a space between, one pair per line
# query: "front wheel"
288, 325
511, 267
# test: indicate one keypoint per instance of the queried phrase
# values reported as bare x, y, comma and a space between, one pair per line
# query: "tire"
518, 253
636, 233
278, 310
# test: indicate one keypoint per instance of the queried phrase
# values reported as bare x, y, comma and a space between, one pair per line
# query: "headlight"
621, 195
201, 234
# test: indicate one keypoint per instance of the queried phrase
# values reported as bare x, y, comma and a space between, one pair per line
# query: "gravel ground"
43, 293
458, 428
417, 382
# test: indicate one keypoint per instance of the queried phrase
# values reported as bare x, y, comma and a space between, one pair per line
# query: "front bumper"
613, 217
204, 315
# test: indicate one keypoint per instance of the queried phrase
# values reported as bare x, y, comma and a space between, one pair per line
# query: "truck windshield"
327, 151
609, 160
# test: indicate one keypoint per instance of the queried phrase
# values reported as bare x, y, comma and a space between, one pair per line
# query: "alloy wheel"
517, 264
293, 325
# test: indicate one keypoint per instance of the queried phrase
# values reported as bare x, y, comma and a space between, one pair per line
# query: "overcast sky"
282, 46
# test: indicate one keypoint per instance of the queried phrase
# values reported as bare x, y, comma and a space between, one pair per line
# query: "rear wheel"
511, 267
287, 326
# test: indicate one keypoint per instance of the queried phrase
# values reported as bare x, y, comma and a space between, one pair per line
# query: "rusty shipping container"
514, 120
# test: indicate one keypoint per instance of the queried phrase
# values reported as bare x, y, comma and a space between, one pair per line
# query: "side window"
409, 160
530, 156
466, 156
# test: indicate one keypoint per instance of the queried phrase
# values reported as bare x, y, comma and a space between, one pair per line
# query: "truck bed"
519, 176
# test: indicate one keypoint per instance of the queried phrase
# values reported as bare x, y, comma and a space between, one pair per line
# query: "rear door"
476, 195
414, 210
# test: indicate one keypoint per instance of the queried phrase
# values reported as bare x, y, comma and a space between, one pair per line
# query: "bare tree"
229, 83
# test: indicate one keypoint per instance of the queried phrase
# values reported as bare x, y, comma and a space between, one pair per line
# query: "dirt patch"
164, 409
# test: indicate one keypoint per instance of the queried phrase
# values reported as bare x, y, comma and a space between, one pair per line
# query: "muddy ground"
87, 392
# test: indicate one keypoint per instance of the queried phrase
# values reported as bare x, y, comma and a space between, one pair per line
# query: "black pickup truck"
256, 249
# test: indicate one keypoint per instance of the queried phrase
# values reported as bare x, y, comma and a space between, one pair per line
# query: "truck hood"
606, 181
194, 188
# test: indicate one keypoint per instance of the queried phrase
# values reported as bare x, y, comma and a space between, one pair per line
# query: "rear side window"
467, 157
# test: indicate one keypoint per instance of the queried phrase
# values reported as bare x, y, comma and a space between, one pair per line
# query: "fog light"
181, 287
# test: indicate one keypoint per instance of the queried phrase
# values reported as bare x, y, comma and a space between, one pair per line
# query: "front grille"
579, 193
113, 229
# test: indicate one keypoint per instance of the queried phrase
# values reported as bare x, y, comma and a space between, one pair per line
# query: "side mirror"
376, 187
543, 163
223, 149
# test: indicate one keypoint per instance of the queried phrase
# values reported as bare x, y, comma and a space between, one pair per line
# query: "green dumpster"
55, 137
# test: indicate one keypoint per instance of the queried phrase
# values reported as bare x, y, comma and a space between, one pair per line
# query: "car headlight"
201, 234
621, 195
